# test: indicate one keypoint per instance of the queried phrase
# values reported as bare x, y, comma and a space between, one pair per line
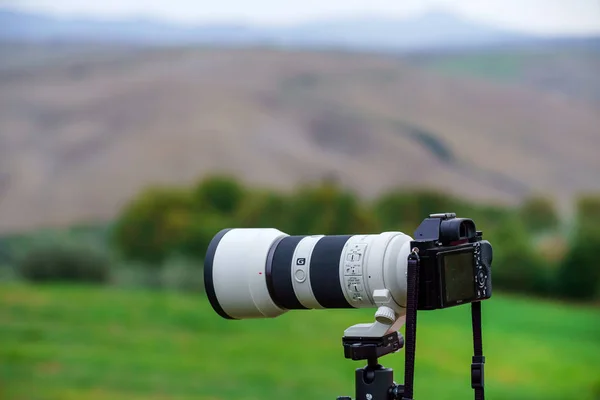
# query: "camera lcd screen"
458, 277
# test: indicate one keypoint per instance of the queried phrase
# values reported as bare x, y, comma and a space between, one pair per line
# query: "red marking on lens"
260, 273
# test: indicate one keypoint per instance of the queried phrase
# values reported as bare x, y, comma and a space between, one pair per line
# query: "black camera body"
455, 264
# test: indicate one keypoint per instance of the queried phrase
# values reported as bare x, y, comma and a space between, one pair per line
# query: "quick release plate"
365, 348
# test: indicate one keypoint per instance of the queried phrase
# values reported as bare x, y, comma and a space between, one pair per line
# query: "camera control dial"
481, 278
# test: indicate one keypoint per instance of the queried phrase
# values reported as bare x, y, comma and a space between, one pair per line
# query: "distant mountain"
424, 31
434, 30
15, 25
430, 30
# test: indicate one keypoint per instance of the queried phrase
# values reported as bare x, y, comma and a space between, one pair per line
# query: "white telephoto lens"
262, 273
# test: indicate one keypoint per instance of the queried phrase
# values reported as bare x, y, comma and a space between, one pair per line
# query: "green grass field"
75, 342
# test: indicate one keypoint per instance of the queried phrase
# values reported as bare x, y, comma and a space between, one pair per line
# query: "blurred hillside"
83, 128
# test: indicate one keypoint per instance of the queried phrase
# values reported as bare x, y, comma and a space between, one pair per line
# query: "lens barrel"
262, 273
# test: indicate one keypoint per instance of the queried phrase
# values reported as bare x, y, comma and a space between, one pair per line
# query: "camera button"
300, 275
481, 278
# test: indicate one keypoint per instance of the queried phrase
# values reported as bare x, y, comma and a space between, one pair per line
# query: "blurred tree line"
534, 251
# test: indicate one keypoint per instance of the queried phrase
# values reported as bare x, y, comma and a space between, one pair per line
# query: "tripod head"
371, 341
374, 382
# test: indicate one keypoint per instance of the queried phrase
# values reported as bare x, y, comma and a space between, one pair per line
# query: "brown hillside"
79, 138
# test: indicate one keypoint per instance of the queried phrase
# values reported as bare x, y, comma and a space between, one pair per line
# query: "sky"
572, 17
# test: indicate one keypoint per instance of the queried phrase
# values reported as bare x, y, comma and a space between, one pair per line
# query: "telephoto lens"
263, 273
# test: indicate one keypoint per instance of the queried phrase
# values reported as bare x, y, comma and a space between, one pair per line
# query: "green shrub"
486, 217
220, 194
588, 210
7, 273
539, 214
516, 265
397, 210
5, 251
14, 247
154, 225
329, 210
200, 230
67, 263
405, 209
265, 209
579, 273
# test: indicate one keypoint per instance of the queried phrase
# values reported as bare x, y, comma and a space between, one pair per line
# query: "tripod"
366, 342
374, 381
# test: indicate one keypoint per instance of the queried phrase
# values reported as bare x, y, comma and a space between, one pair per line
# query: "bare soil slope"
81, 135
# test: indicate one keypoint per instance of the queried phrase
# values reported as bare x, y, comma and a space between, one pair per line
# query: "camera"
455, 262
263, 272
